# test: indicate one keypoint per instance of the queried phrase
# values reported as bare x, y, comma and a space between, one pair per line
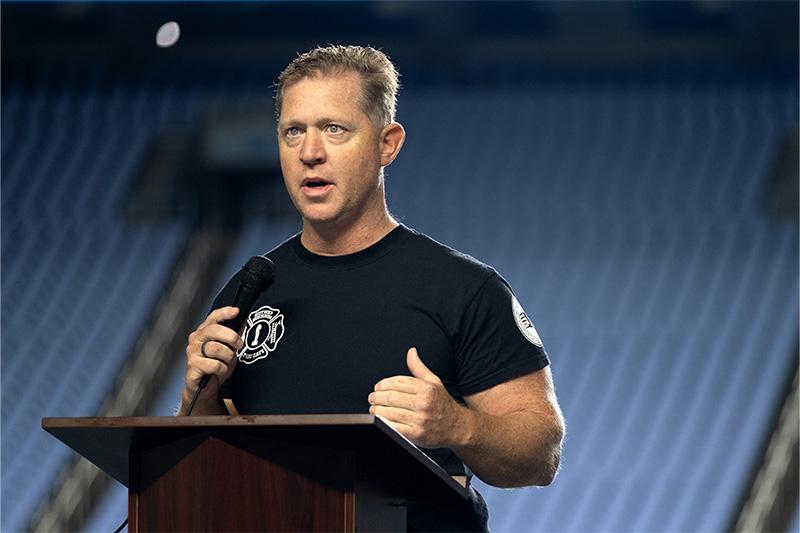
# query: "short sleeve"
497, 340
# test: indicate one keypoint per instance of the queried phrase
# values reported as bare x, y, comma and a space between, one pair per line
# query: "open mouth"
316, 187
315, 183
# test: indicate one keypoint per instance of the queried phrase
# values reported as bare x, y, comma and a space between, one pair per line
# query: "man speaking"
368, 315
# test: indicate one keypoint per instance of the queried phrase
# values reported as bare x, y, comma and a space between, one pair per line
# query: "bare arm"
509, 435
512, 433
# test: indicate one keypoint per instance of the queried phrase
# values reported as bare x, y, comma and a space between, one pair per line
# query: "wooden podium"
259, 473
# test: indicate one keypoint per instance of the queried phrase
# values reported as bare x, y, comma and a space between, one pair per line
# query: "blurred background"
631, 168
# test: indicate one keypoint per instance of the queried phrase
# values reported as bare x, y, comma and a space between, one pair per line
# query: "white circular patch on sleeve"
524, 323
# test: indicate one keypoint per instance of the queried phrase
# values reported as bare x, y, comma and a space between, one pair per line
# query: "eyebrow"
321, 122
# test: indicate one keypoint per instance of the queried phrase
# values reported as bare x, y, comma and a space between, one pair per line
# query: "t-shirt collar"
367, 255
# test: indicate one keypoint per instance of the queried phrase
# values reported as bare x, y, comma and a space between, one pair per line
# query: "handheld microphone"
255, 277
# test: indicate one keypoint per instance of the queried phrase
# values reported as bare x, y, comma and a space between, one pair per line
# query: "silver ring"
203, 348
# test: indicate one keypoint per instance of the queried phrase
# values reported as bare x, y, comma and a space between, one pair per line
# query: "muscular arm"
509, 435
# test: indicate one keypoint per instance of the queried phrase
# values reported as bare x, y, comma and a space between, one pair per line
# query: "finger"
396, 399
399, 416
399, 383
217, 350
222, 334
219, 315
202, 366
418, 368
403, 429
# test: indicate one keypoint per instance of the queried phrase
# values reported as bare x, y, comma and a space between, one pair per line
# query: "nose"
312, 151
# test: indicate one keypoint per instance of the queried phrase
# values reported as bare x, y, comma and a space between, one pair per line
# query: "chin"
319, 216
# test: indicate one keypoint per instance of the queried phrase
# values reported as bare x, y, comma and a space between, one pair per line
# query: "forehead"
323, 95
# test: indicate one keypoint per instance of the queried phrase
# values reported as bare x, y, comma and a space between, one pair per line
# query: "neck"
342, 238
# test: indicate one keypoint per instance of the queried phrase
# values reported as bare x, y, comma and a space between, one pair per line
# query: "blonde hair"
379, 77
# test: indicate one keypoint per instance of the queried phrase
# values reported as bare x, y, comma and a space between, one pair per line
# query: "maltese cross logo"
261, 335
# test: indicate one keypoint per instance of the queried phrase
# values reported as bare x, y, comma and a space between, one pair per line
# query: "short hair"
379, 77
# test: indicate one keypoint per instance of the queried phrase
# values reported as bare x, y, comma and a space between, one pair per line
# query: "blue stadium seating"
628, 217
79, 280
630, 221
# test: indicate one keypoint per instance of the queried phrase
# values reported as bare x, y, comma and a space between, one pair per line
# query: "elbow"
546, 469
541, 466
539, 472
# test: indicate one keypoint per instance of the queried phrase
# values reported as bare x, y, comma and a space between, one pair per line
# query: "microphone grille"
258, 272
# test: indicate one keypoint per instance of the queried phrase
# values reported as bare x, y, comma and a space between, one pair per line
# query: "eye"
335, 128
294, 131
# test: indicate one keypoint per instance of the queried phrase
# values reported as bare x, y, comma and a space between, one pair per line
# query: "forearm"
207, 404
515, 450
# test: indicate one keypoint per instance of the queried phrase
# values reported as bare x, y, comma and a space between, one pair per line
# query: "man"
369, 315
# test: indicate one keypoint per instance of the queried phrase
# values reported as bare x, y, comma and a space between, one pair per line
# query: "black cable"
196, 394
121, 526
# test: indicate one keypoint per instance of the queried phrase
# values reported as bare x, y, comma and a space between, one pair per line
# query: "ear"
392, 137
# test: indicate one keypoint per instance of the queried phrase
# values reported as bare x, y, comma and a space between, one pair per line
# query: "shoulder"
431, 255
283, 251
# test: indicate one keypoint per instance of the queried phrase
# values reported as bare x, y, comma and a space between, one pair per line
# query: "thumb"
418, 368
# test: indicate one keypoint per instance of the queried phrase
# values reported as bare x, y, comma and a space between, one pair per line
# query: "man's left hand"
419, 407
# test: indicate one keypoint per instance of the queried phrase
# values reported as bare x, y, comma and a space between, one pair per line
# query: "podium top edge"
81, 432
211, 421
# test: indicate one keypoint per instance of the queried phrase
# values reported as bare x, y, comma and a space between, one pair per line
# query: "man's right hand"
220, 345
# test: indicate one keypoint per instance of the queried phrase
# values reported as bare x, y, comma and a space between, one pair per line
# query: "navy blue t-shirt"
330, 327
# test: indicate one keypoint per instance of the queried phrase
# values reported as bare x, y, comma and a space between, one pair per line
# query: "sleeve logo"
261, 335
524, 323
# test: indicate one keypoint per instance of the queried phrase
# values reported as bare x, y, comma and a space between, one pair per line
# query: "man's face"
330, 150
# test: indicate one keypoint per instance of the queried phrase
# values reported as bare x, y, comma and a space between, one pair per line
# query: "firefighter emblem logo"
261, 335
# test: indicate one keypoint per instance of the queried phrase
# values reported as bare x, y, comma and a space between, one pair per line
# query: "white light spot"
168, 34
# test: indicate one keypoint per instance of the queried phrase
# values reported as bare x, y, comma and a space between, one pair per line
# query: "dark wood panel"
217, 481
